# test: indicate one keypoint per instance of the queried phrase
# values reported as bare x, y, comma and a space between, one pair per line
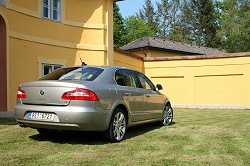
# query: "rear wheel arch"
117, 126
168, 103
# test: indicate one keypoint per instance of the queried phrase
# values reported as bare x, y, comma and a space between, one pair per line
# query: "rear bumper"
65, 117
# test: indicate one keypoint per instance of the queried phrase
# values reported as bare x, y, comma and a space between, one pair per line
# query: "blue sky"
130, 7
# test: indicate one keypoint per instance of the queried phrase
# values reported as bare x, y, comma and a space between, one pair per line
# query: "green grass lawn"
197, 137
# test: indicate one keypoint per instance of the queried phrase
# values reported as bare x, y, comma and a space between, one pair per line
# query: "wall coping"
184, 57
197, 57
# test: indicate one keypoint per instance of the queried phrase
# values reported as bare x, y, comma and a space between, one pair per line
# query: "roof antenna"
83, 63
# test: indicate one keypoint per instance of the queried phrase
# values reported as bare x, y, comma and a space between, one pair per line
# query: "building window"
47, 68
52, 9
2, 2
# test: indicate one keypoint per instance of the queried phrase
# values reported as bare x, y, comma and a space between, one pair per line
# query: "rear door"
133, 96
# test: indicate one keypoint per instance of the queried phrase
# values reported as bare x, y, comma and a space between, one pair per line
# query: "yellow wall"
26, 4
121, 59
220, 83
85, 30
197, 81
85, 11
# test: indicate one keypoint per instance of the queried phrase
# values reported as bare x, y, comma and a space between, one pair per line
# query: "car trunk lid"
47, 92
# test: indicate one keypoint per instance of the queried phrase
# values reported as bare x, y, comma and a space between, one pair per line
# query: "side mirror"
159, 87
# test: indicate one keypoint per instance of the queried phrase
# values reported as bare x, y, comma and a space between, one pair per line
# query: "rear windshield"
74, 73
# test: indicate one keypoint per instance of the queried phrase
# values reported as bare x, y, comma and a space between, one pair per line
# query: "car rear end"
60, 104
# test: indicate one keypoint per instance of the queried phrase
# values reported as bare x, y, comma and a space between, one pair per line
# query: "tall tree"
235, 29
175, 20
181, 27
148, 14
204, 28
136, 28
163, 17
174, 16
119, 29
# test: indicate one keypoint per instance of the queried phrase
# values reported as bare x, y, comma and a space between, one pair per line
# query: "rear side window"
131, 78
74, 73
124, 78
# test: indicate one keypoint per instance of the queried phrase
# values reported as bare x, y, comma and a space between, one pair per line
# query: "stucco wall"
85, 30
126, 59
205, 81
216, 81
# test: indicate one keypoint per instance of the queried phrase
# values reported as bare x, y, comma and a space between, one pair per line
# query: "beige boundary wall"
212, 81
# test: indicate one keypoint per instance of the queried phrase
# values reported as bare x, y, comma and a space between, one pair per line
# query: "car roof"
104, 67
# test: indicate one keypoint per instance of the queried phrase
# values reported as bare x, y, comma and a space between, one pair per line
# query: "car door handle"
128, 94
147, 95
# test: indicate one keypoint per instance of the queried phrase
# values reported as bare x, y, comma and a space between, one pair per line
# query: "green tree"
163, 17
235, 29
204, 26
148, 14
174, 17
136, 28
174, 20
119, 29
181, 28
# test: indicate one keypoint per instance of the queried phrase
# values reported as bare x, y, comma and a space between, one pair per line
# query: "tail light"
80, 94
21, 94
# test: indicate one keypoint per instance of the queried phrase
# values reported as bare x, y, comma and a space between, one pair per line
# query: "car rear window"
74, 73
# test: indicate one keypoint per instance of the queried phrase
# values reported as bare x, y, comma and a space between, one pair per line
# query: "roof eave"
164, 50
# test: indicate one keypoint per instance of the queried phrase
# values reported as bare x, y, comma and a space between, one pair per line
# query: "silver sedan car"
91, 98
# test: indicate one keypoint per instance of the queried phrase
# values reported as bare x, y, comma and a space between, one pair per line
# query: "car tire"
47, 132
117, 127
167, 115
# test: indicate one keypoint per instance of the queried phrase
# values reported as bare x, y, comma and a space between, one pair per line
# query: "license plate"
41, 116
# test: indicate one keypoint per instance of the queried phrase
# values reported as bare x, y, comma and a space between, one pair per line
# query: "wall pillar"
3, 66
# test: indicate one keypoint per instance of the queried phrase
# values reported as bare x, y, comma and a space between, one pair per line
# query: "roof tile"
170, 46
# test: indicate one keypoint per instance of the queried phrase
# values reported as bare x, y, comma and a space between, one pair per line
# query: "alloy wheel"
119, 126
167, 115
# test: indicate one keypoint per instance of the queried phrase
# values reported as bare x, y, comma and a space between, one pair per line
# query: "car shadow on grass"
91, 138
141, 129
8, 121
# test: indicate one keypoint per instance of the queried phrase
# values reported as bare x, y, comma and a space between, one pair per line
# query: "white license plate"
41, 116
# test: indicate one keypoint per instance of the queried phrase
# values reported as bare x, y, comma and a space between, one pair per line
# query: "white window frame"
50, 7
3, 2
53, 66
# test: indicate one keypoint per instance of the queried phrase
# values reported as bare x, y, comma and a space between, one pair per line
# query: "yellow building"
38, 36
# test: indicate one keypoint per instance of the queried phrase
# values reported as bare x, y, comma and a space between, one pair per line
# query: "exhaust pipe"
22, 125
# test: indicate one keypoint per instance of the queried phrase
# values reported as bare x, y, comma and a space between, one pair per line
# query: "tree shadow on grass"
92, 138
